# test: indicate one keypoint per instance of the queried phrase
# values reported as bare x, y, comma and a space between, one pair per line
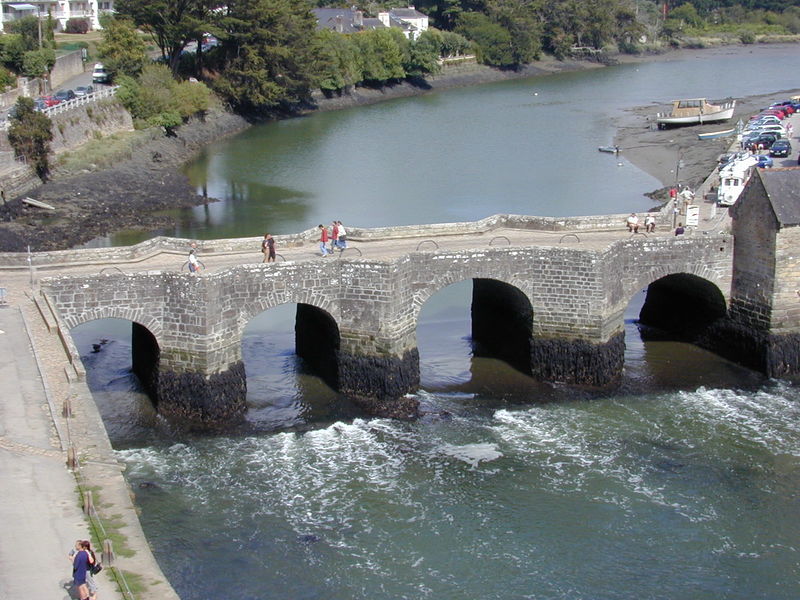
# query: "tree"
122, 50
173, 23
37, 63
30, 135
267, 54
28, 28
494, 45
381, 55
338, 65
12, 49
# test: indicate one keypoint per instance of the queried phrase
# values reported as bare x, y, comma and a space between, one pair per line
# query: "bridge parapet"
162, 244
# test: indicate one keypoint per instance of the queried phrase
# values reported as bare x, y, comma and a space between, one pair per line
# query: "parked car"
39, 104
84, 90
99, 74
64, 95
763, 141
50, 100
786, 107
780, 148
774, 111
764, 161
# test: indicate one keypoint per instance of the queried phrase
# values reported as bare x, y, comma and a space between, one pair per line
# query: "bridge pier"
577, 361
379, 378
195, 390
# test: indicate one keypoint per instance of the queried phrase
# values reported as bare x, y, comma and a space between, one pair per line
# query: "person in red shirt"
334, 236
323, 240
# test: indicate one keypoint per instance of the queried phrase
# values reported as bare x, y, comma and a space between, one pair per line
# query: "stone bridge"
549, 302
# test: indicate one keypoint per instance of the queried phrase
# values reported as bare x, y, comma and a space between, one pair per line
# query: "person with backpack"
93, 567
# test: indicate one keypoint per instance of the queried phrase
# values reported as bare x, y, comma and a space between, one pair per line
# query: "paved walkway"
40, 513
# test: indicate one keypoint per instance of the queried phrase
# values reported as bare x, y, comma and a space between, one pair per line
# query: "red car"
50, 100
774, 111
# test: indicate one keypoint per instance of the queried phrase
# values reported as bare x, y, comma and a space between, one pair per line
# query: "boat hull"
711, 135
726, 113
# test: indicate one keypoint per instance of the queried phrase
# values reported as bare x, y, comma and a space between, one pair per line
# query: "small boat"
712, 135
694, 111
609, 149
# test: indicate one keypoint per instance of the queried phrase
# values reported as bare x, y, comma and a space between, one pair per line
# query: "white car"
99, 74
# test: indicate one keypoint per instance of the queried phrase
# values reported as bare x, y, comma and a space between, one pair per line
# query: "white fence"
104, 92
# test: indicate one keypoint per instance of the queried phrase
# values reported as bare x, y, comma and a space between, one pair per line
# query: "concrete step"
45, 311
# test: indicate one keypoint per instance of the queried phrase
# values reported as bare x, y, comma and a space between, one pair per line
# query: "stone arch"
422, 295
317, 335
501, 316
684, 305
699, 270
145, 344
275, 299
153, 325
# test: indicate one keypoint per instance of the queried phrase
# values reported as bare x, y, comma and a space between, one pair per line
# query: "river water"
681, 483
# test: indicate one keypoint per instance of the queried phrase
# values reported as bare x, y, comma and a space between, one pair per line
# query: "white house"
60, 10
410, 20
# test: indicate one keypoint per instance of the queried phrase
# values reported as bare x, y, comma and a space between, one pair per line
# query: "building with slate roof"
349, 20
765, 291
345, 20
410, 20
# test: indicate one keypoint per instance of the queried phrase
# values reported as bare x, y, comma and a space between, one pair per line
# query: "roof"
783, 192
407, 13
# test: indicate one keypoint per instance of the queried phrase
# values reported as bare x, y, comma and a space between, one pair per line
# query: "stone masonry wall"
756, 229
786, 295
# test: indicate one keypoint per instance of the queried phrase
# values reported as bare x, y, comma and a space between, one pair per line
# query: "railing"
101, 93
68, 105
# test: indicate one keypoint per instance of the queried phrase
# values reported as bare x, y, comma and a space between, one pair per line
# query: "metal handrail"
566, 235
498, 237
427, 241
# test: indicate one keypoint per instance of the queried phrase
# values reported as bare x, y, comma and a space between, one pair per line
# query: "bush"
747, 37
7, 79
30, 135
76, 25
38, 62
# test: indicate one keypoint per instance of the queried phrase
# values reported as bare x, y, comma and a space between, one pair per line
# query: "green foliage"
156, 99
7, 79
192, 98
493, 43
269, 50
12, 49
422, 57
122, 49
380, 54
747, 37
173, 23
28, 28
37, 63
30, 135
338, 65
76, 25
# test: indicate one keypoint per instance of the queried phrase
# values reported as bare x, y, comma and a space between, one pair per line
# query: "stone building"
764, 311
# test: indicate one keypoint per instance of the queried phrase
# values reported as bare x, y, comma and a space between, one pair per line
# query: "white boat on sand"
694, 111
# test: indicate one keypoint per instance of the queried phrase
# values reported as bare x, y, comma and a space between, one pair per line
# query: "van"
99, 74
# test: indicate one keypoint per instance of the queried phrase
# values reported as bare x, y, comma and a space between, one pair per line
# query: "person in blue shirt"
80, 566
